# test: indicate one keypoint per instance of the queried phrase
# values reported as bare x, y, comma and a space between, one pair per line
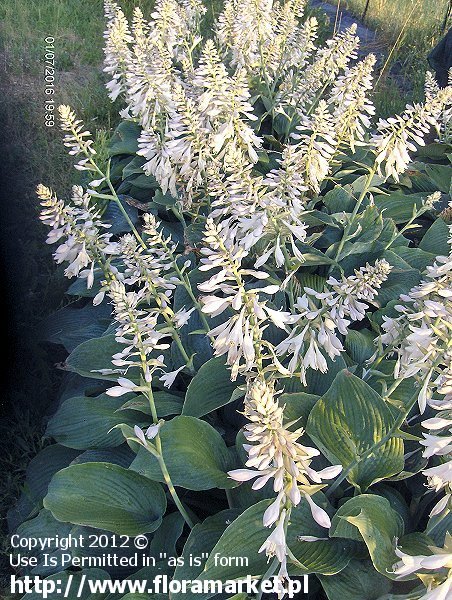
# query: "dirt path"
371, 41
344, 20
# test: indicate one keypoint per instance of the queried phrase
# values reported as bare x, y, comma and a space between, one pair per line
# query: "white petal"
319, 515
243, 474
117, 391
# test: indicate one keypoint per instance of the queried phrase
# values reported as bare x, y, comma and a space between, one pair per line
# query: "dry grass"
409, 29
420, 22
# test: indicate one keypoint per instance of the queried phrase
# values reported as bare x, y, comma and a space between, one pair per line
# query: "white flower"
436, 445
246, 28
78, 226
150, 268
182, 316
352, 108
272, 513
240, 334
117, 53
150, 433
398, 135
275, 544
137, 331
420, 336
439, 476
274, 453
77, 139
169, 378
125, 387
440, 561
319, 515
319, 314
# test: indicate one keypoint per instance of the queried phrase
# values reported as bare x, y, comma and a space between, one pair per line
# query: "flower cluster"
438, 443
320, 316
137, 330
421, 335
79, 227
274, 453
240, 336
445, 121
439, 583
421, 338
77, 139
396, 136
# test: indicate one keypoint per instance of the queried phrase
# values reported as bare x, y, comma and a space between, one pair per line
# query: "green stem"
393, 388
229, 498
172, 490
287, 264
106, 176
161, 461
418, 213
187, 285
350, 223
123, 210
187, 359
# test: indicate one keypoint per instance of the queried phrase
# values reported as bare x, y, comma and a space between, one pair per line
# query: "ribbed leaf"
200, 542
436, 239
248, 534
165, 403
209, 389
83, 422
348, 422
415, 257
194, 452
360, 345
106, 496
45, 524
72, 326
370, 518
124, 140
93, 355
399, 206
358, 581
297, 407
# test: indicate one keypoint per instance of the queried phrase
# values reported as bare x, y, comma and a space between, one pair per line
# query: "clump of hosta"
263, 255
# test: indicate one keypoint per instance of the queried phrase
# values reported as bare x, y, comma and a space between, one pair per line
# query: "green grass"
408, 29
32, 153
419, 21
77, 26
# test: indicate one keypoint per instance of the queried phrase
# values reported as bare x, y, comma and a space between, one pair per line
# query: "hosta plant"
260, 339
